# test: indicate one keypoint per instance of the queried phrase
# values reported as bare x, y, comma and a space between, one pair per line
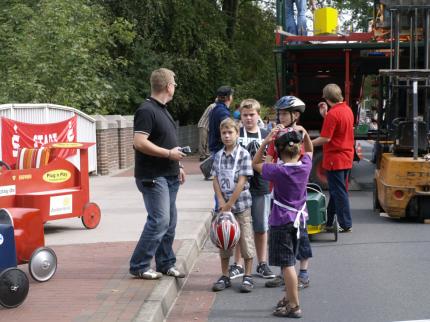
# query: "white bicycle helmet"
290, 103
225, 231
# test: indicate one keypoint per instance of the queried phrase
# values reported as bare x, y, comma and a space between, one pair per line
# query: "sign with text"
16, 135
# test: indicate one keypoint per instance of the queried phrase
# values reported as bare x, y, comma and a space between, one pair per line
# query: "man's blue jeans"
290, 22
159, 231
339, 201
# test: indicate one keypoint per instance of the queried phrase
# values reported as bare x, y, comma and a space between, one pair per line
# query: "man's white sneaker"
150, 274
173, 271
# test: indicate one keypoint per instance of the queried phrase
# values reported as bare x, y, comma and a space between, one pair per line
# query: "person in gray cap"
220, 112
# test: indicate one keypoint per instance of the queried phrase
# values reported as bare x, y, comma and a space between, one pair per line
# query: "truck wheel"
91, 215
43, 264
14, 287
318, 173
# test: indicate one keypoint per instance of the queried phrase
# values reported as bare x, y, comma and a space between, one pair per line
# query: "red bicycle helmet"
225, 231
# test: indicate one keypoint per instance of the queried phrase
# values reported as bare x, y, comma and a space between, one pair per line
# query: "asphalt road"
379, 272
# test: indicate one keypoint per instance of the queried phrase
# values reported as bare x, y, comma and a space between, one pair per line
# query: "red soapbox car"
51, 190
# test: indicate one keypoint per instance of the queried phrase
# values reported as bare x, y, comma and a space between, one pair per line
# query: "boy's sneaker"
247, 284
302, 283
222, 283
235, 271
150, 274
173, 271
264, 270
276, 282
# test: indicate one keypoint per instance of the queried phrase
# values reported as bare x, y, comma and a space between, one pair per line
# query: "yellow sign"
57, 176
67, 145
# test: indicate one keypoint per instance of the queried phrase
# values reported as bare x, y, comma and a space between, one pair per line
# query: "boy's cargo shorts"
260, 210
246, 241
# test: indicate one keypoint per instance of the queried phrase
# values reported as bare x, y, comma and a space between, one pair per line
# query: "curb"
158, 304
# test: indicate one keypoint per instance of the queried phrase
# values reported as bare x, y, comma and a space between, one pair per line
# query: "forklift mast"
404, 116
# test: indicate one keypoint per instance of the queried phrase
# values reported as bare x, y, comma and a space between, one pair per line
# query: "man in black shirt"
158, 175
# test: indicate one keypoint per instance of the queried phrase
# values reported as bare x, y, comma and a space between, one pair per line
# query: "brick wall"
114, 135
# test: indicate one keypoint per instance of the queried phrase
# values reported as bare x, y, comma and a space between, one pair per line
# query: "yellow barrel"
325, 21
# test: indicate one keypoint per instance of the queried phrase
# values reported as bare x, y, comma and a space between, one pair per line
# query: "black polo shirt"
152, 118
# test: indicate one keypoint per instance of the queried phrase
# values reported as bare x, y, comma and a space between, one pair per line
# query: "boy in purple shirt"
289, 211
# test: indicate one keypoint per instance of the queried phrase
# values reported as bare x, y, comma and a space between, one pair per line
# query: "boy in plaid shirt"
231, 169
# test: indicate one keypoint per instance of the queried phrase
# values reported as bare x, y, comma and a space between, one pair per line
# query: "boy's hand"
271, 136
226, 208
301, 129
323, 108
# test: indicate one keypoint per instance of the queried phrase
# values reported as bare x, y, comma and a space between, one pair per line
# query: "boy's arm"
307, 142
236, 193
257, 162
218, 193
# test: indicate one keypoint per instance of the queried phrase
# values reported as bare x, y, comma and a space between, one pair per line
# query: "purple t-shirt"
289, 188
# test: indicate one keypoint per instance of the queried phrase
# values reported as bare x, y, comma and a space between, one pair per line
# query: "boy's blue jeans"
339, 201
159, 231
290, 23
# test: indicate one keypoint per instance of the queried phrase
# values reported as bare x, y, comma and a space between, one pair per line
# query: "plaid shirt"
204, 120
243, 168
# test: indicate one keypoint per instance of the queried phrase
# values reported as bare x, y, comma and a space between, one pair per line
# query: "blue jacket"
217, 115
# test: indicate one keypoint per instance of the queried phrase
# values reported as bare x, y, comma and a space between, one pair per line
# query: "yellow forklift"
402, 175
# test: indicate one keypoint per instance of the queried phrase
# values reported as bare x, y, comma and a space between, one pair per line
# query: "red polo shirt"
339, 127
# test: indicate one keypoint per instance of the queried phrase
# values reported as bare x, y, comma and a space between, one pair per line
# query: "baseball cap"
224, 91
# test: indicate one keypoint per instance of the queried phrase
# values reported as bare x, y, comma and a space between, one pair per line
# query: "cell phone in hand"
185, 149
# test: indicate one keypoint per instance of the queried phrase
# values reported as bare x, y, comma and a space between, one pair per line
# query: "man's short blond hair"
250, 104
229, 123
333, 93
160, 79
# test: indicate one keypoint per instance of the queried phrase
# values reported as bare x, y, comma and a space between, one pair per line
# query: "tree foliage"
97, 55
58, 52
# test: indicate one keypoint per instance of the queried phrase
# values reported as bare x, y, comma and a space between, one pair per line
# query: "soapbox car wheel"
335, 228
14, 287
43, 264
91, 215
4, 165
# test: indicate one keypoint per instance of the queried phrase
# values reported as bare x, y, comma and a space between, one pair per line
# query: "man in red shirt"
337, 139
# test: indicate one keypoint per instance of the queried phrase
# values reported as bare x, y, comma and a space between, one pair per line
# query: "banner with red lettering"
17, 135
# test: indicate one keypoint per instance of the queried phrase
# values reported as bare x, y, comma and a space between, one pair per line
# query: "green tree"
253, 45
57, 51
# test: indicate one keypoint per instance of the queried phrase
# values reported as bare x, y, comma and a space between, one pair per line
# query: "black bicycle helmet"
290, 103
288, 136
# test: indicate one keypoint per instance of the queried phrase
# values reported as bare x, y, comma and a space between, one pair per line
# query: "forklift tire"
376, 204
423, 209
